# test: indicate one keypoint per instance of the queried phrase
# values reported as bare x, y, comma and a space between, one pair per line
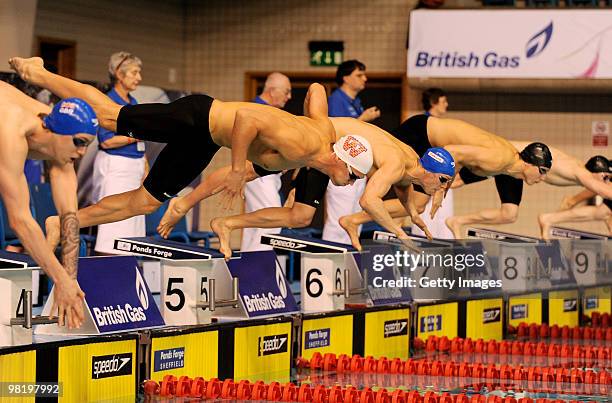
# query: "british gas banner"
510, 44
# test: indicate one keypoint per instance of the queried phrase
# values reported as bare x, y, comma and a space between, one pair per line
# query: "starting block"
197, 282
330, 272
588, 254
16, 320
427, 267
117, 298
515, 258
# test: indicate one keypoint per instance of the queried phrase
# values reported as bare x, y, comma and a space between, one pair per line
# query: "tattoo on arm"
70, 242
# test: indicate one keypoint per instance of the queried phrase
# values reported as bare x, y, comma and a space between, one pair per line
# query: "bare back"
385, 147
284, 141
12, 95
564, 169
483, 152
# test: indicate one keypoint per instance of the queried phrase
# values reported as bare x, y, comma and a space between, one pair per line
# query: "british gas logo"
436, 157
491, 59
353, 146
537, 43
141, 290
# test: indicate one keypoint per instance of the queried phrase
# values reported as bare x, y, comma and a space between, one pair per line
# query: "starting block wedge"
117, 298
330, 272
198, 284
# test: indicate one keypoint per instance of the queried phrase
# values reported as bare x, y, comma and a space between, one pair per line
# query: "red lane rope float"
541, 349
505, 376
534, 331
244, 390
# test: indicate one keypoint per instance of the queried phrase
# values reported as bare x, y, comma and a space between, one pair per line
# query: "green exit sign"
326, 53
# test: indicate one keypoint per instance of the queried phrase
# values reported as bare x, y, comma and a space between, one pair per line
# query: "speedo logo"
276, 344
397, 327
491, 315
570, 305
282, 243
106, 366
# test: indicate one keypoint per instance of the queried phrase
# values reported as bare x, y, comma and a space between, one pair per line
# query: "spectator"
264, 192
344, 102
120, 163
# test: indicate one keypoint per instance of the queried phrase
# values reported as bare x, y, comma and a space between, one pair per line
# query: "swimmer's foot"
27, 69
352, 230
52, 228
453, 224
543, 220
223, 231
173, 215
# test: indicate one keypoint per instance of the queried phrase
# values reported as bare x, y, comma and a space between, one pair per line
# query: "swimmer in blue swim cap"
30, 129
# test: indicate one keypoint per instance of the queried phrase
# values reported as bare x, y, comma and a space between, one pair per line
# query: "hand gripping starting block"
588, 253
198, 284
330, 274
16, 320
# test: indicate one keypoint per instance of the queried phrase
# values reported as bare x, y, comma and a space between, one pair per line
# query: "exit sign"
326, 53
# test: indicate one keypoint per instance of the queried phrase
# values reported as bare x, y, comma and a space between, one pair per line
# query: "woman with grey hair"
120, 161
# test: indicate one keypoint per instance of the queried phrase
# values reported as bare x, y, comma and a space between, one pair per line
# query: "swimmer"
477, 154
194, 128
600, 168
566, 171
394, 164
30, 129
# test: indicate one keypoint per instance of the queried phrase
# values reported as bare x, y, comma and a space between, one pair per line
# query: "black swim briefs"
608, 203
184, 126
310, 185
509, 189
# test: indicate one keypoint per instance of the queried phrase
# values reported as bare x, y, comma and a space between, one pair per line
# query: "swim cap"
598, 163
537, 154
71, 116
438, 161
356, 151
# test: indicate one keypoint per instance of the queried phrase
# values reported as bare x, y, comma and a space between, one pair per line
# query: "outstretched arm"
604, 189
15, 193
571, 201
64, 190
372, 199
315, 103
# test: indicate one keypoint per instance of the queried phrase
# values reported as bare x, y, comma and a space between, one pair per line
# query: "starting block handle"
347, 291
25, 318
212, 304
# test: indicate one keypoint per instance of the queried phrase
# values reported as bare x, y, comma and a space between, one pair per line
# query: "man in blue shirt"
263, 192
344, 102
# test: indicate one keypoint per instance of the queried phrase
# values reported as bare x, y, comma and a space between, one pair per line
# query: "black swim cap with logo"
537, 154
598, 163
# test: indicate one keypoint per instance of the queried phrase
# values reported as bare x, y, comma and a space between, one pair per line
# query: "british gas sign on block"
512, 44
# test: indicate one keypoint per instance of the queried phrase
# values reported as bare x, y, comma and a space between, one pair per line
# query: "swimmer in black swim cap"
538, 155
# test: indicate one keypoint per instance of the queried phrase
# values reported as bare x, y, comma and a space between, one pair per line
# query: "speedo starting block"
330, 274
197, 283
588, 254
